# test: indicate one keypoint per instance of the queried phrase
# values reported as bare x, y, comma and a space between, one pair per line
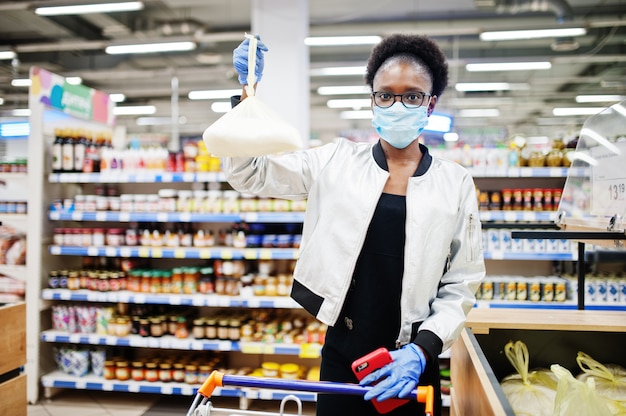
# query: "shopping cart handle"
423, 394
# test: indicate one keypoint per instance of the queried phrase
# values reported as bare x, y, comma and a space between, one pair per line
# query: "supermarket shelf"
502, 255
13, 175
568, 305
59, 379
143, 177
179, 252
211, 300
116, 216
13, 219
514, 216
18, 271
526, 172
187, 344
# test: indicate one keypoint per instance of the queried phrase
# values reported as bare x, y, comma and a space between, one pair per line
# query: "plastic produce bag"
610, 380
251, 128
529, 393
575, 397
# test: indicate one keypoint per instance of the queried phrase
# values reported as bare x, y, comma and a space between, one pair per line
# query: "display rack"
53, 103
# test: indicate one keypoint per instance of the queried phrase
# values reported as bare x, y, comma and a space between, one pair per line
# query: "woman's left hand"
398, 378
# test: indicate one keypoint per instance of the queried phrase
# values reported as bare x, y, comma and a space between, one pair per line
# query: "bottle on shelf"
57, 151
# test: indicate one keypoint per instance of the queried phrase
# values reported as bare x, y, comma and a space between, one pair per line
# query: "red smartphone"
372, 362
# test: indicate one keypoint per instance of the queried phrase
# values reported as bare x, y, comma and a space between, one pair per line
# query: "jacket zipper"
469, 256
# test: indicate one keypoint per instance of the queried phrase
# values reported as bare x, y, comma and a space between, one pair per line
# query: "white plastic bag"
251, 128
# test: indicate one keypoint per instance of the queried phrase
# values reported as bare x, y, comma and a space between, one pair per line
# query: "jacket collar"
379, 157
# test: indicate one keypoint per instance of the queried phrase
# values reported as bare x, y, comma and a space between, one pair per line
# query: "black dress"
370, 317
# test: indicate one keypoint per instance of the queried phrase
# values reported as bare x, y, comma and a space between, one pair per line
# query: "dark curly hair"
424, 50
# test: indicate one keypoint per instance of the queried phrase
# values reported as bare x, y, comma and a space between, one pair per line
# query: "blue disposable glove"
398, 378
240, 60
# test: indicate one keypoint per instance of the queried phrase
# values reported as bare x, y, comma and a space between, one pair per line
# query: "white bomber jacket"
343, 182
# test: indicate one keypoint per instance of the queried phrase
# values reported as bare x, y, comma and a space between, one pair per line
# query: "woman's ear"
431, 104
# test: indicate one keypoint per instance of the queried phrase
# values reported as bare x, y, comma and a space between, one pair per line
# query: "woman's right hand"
240, 60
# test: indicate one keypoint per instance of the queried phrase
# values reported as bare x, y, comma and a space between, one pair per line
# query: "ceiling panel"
75, 46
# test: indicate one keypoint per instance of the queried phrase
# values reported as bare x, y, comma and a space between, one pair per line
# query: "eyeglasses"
412, 99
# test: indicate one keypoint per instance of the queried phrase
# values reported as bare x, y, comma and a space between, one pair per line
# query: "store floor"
98, 403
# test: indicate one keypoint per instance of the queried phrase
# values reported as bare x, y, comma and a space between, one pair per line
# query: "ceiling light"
599, 98
341, 40
19, 129
117, 97
356, 115
158, 121
74, 80
479, 112
127, 6
356, 103
451, 137
532, 34
21, 112
4, 55
221, 106
507, 66
576, 111
489, 86
134, 110
21, 82
339, 70
212, 94
151, 47
360, 89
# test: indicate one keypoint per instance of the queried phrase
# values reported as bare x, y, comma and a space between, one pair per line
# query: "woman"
390, 253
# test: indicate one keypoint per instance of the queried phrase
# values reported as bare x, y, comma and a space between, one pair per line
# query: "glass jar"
211, 328
165, 372
198, 331
137, 372
178, 373
109, 370
151, 372
181, 328
191, 374
122, 372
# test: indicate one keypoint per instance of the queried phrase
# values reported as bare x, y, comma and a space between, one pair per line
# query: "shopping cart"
202, 406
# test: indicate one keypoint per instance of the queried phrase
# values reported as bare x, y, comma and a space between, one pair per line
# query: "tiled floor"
93, 403
97, 403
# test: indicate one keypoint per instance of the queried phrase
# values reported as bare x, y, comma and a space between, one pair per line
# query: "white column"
282, 26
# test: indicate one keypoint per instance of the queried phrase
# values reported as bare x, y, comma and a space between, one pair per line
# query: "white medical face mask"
400, 126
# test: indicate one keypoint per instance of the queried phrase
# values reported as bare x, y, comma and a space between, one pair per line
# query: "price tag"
179, 253
124, 216
107, 386
608, 181
310, 350
265, 254
101, 216
157, 253
162, 217
74, 339
144, 252
54, 215
167, 177
189, 177
110, 252
125, 252
204, 253
55, 250
167, 390
77, 216
92, 251
226, 254
249, 254
184, 217
256, 348
134, 387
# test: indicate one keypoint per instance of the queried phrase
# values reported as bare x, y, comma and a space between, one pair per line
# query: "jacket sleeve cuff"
430, 342
234, 100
